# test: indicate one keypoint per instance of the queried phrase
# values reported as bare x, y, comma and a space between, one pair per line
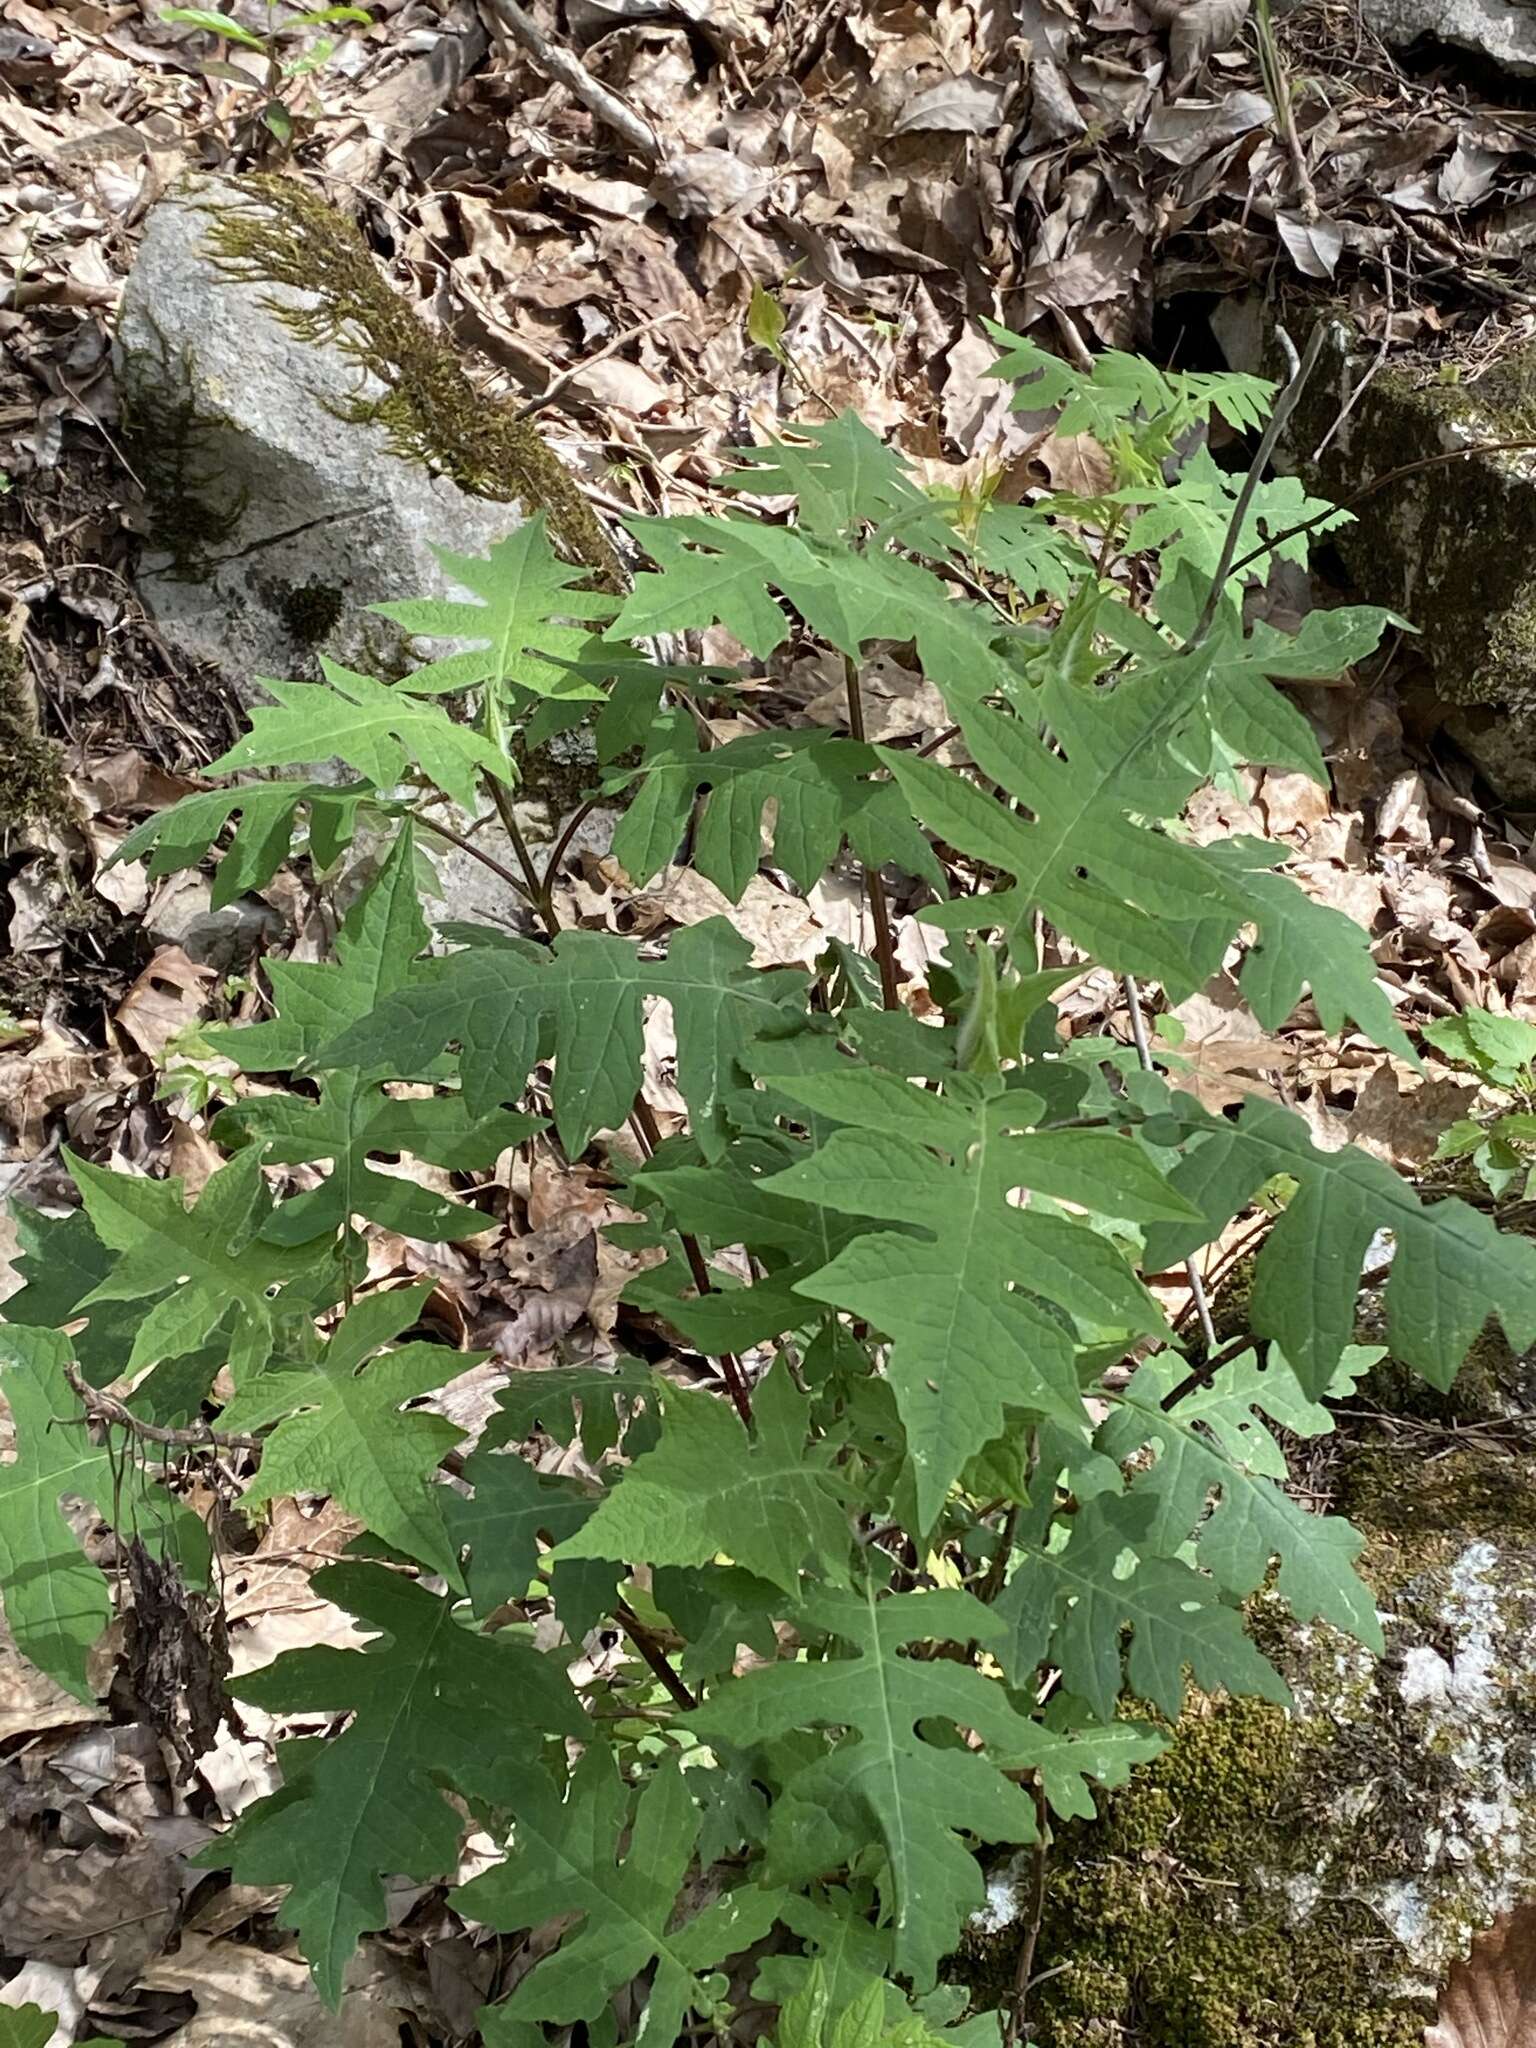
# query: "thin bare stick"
1397, 475
576, 78
1144, 1055
648, 1131
566, 378
1204, 1374
1376, 363
100, 1407
879, 909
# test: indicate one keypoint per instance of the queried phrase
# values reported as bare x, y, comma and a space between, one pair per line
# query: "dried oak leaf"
1197, 29
1489, 2000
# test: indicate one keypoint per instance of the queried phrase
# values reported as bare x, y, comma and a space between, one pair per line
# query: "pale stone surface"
1504, 31
322, 518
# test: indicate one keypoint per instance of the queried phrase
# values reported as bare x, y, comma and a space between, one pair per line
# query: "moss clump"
32, 786
310, 612
274, 231
168, 438
1167, 1923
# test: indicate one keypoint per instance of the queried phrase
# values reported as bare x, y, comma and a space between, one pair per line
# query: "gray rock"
1452, 546
1504, 31
289, 519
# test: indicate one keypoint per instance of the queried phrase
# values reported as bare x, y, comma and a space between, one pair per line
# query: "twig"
1388, 476
574, 75
1285, 405
879, 909
566, 378
1372, 369
653, 1654
100, 1407
1144, 1055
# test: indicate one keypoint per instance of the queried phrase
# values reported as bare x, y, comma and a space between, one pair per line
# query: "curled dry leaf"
1489, 2000
1197, 29
967, 105
48, 1074
166, 998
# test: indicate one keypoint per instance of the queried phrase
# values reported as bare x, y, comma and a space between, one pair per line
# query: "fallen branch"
100, 1407
570, 72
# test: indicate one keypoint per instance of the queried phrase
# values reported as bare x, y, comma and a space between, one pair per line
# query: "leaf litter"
881, 176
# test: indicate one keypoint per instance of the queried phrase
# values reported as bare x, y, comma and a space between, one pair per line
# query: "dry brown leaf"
1404, 813
1489, 1999
1293, 802
249, 1999
1197, 29
1225, 1052
1076, 463
167, 997
966, 105
1396, 1117
50, 1073
1315, 246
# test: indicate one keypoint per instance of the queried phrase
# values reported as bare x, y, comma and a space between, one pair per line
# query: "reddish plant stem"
653, 1654
486, 860
648, 1131
1015, 2029
532, 883
879, 908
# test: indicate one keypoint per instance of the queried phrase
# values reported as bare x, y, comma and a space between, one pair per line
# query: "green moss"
310, 611
1159, 1932
169, 439
1408, 544
274, 231
32, 785
1418, 1514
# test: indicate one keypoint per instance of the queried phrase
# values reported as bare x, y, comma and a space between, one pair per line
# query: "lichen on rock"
1304, 1880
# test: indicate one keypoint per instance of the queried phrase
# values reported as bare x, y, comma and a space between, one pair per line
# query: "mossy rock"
305, 439
1304, 1880
1452, 548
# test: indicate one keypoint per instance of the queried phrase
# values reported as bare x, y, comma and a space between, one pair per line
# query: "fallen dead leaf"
167, 997
1225, 1053
245, 1996
1396, 1117
1489, 1999
33, 1083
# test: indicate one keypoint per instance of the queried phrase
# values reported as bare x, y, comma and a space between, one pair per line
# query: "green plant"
1501, 1052
947, 1542
292, 49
